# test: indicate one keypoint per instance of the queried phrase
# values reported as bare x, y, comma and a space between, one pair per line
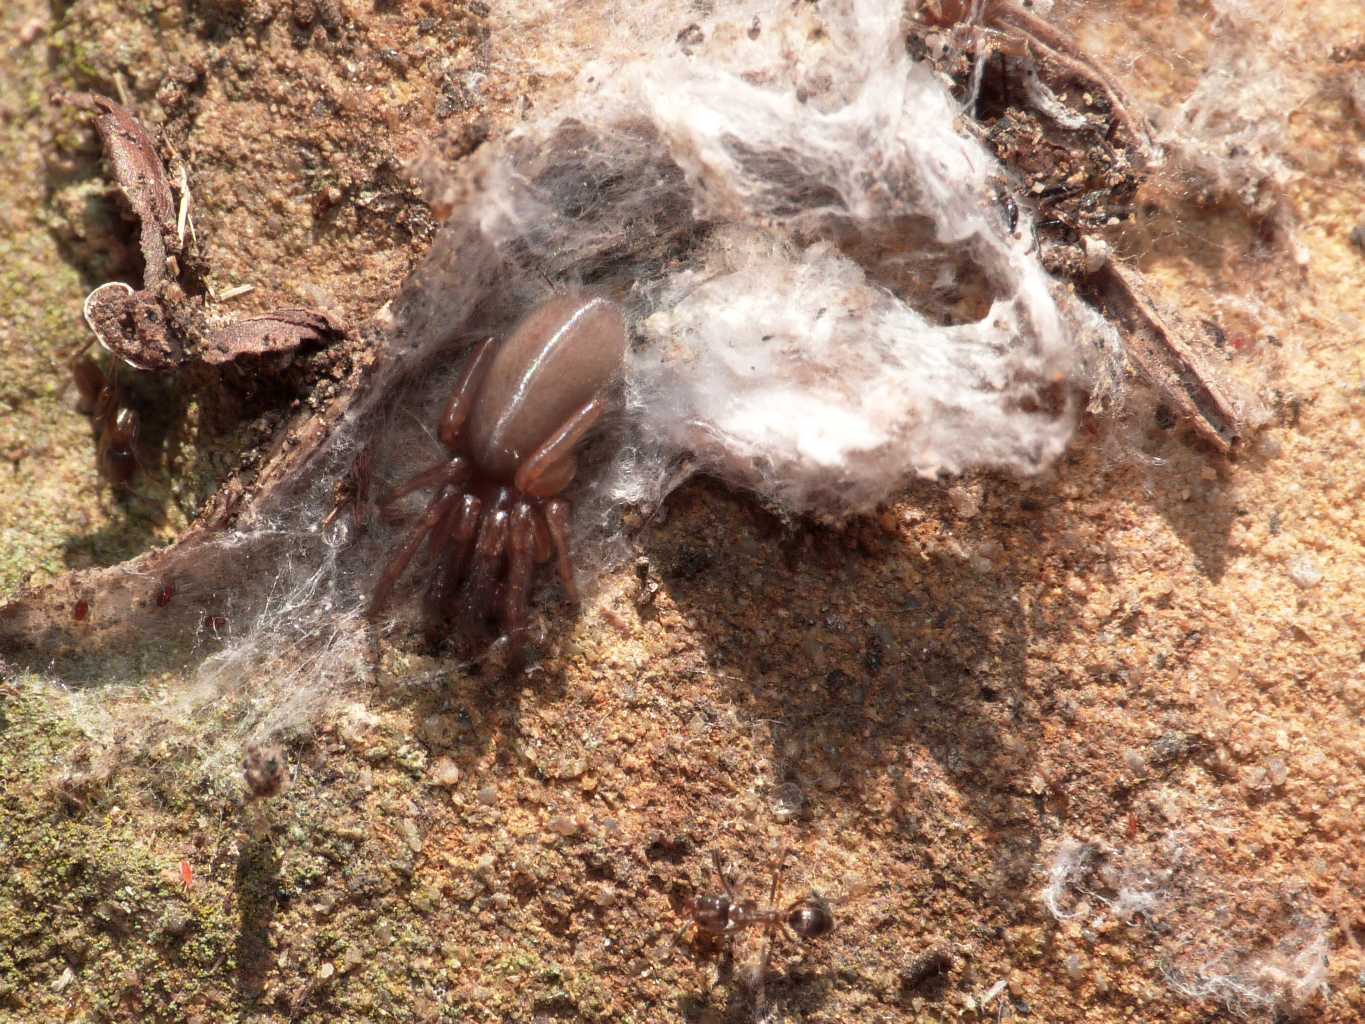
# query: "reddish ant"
116, 424
716, 918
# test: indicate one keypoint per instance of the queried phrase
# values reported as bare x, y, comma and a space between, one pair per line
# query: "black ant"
718, 916
721, 914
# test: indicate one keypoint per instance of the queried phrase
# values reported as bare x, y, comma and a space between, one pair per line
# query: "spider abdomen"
559, 357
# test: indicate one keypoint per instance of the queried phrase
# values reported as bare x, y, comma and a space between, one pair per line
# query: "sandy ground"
1134, 685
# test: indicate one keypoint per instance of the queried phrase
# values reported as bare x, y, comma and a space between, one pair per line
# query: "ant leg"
779, 865
678, 936
360, 475
761, 994
557, 522
462, 398
89, 380
394, 570
453, 472
549, 468
521, 543
116, 457
353, 491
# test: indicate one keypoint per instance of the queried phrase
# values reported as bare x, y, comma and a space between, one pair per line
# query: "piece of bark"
135, 327
123, 627
141, 177
281, 330
1161, 353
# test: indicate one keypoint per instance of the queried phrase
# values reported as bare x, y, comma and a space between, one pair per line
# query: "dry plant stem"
1163, 356
1156, 347
158, 327
37, 628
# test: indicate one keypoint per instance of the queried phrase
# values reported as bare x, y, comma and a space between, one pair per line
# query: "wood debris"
1160, 351
1076, 152
163, 325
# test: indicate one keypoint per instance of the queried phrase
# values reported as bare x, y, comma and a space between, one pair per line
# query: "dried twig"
1163, 355
1064, 52
1157, 346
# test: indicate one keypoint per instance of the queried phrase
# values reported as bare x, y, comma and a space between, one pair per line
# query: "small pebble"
445, 772
1304, 572
483, 867
786, 802
1075, 968
30, 31
563, 825
176, 922
1276, 771
326, 971
1096, 254
488, 795
966, 501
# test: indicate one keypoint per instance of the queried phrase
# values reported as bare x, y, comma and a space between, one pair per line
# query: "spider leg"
549, 468
521, 550
544, 545
481, 580
462, 398
457, 530
435, 512
452, 472
557, 521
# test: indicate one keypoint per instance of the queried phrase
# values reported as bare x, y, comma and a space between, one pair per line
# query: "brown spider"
511, 425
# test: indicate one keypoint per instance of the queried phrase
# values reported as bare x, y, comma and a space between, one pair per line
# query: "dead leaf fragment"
141, 177
133, 325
